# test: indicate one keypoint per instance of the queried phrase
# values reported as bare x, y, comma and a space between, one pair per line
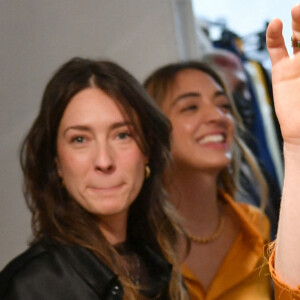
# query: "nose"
104, 159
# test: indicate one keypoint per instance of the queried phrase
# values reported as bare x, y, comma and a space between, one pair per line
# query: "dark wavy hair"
55, 215
158, 84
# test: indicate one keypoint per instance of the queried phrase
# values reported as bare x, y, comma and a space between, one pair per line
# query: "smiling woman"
226, 257
102, 228
195, 99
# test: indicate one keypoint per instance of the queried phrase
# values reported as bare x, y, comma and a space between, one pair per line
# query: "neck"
194, 193
114, 228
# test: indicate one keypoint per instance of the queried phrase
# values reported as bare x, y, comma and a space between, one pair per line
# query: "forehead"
91, 105
192, 76
192, 80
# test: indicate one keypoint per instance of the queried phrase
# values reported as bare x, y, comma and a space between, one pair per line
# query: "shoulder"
38, 266
258, 218
252, 217
56, 271
32, 264
255, 214
38, 252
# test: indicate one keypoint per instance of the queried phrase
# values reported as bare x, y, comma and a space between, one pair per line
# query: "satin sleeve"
281, 289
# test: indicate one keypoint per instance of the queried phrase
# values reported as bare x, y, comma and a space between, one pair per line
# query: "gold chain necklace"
213, 237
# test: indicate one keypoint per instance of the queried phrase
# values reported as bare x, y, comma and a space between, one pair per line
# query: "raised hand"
286, 88
286, 78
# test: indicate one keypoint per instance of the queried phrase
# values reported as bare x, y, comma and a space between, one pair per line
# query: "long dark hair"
55, 216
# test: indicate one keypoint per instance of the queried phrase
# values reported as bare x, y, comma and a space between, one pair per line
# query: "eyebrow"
186, 95
195, 95
88, 128
220, 93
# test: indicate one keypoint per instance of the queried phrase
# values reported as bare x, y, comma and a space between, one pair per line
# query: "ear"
58, 167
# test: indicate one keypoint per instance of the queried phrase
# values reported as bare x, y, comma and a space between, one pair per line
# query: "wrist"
291, 151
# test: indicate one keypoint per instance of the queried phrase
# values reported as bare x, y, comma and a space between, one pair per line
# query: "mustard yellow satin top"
244, 273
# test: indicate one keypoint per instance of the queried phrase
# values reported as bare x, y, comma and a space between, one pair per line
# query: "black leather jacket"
57, 272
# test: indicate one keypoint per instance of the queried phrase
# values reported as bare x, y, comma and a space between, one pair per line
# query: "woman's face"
98, 158
203, 128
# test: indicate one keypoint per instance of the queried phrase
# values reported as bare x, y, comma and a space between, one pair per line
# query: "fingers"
296, 25
275, 41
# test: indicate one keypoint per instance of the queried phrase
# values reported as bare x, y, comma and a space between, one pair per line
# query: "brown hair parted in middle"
55, 215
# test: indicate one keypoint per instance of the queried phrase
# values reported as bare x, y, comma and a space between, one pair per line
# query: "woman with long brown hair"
227, 238
93, 162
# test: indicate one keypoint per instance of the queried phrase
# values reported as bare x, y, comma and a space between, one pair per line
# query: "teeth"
216, 138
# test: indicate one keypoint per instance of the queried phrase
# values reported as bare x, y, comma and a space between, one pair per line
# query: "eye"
223, 103
78, 139
123, 135
192, 107
226, 107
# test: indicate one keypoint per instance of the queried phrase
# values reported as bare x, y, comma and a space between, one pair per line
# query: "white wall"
37, 36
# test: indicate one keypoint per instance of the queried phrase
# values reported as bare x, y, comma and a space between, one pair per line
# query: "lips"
212, 138
106, 188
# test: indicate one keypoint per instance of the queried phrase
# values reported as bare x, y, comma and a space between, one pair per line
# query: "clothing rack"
252, 41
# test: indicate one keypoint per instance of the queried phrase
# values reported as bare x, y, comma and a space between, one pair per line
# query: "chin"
110, 209
216, 165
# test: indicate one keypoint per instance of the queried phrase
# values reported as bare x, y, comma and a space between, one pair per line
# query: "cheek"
130, 160
140, 162
182, 128
134, 172
73, 174
71, 166
182, 134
